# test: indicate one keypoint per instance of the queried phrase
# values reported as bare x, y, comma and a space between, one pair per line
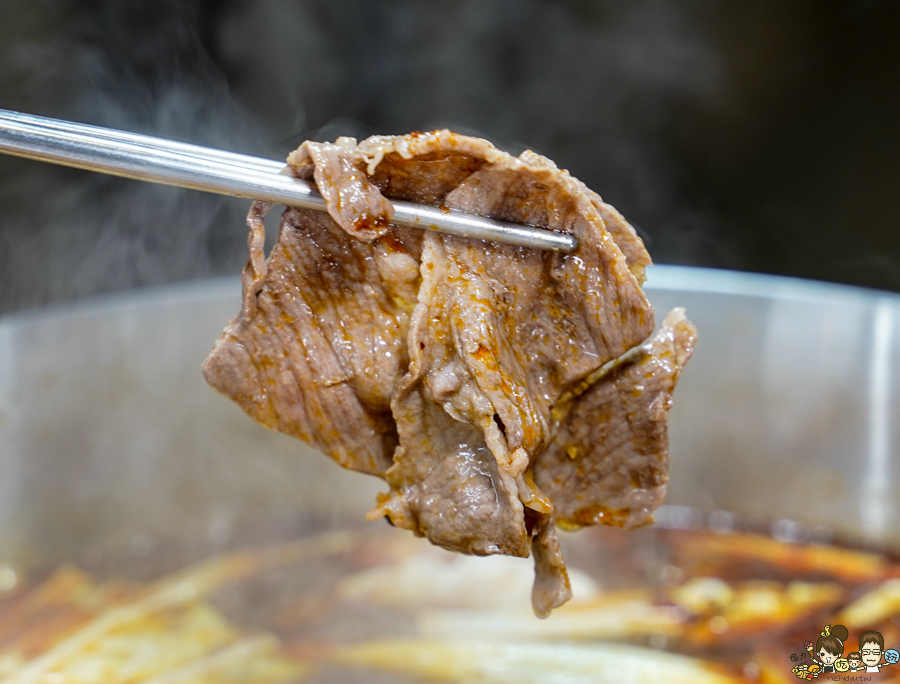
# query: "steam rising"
593, 85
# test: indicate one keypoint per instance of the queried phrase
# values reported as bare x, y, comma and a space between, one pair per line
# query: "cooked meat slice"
498, 335
562, 316
608, 463
440, 364
445, 476
626, 237
352, 200
453, 491
551, 581
316, 351
623, 233
415, 168
447, 424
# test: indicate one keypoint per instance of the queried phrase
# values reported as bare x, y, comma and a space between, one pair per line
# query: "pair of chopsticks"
157, 160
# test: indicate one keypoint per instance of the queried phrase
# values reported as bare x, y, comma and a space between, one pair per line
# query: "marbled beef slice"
447, 366
608, 462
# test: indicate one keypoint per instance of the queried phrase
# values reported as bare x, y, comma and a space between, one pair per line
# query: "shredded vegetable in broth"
655, 605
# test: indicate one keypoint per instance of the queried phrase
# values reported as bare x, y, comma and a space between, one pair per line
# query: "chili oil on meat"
500, 391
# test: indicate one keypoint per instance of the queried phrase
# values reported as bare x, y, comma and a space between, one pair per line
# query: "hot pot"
117, 457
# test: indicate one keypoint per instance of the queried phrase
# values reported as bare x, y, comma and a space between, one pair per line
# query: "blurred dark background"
761, 136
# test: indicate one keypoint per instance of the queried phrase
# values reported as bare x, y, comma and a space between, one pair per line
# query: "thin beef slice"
481, 351
608, 462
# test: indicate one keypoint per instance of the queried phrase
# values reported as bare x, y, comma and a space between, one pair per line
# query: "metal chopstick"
242, 160
156, 160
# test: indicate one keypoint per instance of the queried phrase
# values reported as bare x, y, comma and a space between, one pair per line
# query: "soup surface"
663, 604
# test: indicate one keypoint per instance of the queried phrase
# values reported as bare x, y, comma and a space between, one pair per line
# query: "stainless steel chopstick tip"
156, 160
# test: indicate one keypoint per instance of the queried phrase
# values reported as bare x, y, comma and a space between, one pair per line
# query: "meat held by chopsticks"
497, 389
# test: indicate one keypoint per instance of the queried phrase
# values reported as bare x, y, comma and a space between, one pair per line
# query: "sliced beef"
447, 365
608, 463
551, 581
316, 349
